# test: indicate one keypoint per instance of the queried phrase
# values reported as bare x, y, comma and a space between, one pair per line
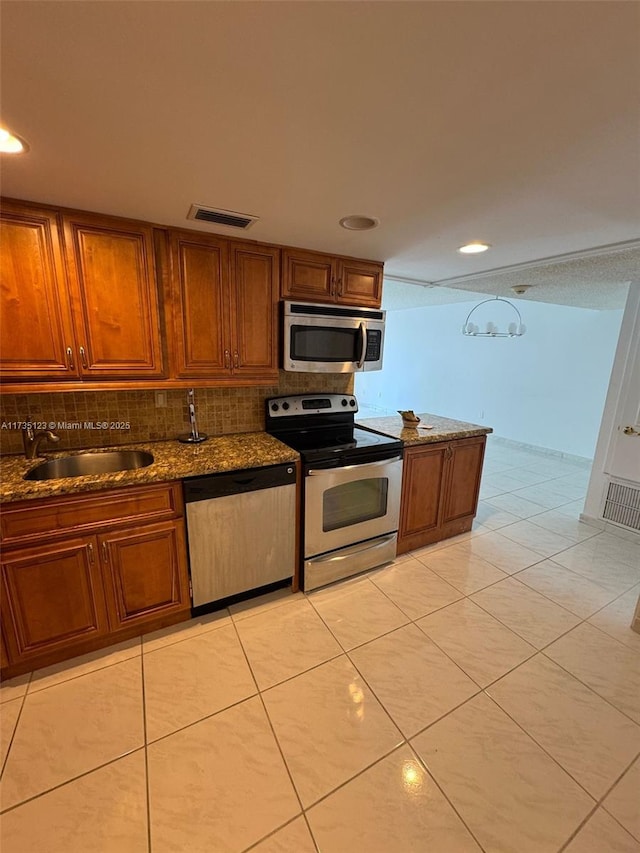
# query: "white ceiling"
510, 122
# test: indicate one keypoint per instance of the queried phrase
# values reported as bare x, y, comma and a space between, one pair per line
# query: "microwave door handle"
363, 352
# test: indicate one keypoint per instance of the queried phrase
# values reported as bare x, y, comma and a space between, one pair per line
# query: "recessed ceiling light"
359, 223
474, 248
11, 144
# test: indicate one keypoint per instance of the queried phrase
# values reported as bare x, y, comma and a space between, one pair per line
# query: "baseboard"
580, 461
609, 527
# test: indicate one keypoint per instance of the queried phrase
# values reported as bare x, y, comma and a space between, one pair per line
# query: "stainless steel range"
352, 482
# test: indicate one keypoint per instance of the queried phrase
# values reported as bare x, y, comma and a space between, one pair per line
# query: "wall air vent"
217, 216
622, 506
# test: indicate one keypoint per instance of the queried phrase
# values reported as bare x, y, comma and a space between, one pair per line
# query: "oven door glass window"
353, 503
325, 343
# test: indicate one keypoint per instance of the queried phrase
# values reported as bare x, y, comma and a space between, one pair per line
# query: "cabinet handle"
340, 287
91, 557
449, 453
236, 359
70, 358
333, 286
105, 553
227, 358
83, 357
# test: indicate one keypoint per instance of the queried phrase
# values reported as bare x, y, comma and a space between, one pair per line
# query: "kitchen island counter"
444, 429
441, 476
172, 461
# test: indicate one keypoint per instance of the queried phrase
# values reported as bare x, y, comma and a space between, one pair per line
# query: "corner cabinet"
225, 298
440, 487
83, 571
313, 277
79, 297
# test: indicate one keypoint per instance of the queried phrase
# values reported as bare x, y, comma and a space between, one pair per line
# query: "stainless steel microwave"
331, 338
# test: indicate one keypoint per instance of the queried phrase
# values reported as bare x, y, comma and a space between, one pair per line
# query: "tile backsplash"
219, 411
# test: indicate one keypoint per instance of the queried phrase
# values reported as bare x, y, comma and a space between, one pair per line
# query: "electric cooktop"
321, 427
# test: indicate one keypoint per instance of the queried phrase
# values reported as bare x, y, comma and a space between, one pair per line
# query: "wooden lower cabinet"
440, 486
144, 573
53, 597
465, 470
4, 655
69, 590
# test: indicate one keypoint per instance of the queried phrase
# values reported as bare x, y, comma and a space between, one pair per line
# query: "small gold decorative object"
409, 418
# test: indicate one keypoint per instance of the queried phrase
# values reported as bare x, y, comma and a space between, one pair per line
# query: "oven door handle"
363, 351
345, 553
315, 472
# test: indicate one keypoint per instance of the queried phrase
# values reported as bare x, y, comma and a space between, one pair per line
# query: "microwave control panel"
374, 343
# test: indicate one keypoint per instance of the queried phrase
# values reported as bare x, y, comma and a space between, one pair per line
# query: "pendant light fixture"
489, 329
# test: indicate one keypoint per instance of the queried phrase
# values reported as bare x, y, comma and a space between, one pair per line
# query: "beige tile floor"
480, 694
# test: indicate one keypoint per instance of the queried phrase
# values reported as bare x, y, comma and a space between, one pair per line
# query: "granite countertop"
444, 429
172, 461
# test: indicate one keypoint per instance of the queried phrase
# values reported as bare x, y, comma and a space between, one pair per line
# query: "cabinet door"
423, 481
145, 573
255, 274
4, 656
308, 276
52, 598
199, 283
463, 480
359, 283
113, 283
37, 341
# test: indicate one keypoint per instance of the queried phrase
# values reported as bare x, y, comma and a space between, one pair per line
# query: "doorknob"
629, 430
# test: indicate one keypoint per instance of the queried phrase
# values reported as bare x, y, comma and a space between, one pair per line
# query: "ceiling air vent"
217, 216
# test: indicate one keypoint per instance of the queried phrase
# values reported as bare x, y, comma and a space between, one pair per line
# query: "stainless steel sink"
90, 463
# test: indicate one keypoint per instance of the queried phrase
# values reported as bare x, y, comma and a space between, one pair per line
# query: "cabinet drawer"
28, 521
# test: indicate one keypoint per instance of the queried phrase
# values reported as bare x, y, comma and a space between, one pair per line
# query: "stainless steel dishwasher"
241, 531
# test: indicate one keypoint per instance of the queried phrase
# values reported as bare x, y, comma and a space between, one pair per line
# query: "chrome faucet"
32, 440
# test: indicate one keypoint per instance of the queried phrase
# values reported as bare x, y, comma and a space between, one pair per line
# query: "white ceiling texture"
511, 122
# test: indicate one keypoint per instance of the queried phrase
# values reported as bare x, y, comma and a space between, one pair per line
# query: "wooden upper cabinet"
115, 297
37, 338
308, 276
313, 277
199, 271
82, 301
254, 278
225, 300
359, 283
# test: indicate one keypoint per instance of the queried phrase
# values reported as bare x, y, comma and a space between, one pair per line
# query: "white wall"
546, 388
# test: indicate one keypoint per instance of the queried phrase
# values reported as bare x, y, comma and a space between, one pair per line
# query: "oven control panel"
311, 404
